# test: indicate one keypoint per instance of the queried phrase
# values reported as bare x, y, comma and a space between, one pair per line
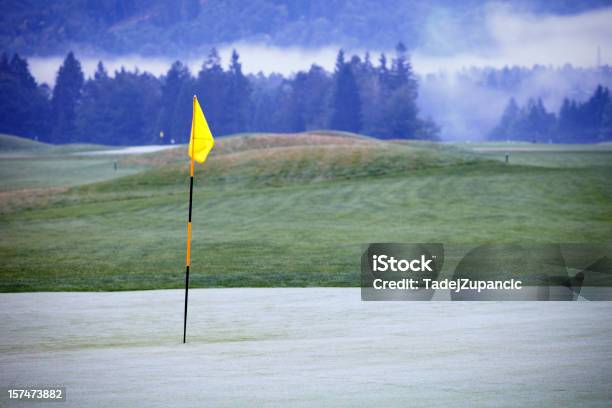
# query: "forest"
133, 107
577, 122
378, 96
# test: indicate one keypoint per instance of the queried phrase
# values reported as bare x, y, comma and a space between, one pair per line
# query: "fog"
507, 38
467, 109
520, 38
254, 57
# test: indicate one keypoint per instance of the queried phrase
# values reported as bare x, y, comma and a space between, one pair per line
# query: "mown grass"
49, 171
291, 213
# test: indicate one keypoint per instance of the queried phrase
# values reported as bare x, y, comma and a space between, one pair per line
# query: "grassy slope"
291, 211
28, 167
9, 143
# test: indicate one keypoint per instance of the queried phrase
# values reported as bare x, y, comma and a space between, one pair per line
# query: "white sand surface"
304, 347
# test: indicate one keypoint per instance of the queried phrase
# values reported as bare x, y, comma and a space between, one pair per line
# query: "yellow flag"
201, 141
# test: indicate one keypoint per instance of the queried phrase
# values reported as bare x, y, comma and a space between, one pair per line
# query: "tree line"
577, 122
133, 107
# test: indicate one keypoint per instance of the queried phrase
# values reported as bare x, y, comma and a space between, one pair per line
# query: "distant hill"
9, 143
179, 27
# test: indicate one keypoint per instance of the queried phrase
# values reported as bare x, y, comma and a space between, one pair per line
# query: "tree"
177, 76
130, 107
93, 114
383, 73
24, 106
119, 110
606, 122
346, 103
508, 124
400, 112
401, 70
567, 125
212, 88
135, 99
183, 110
269, 101
538, 122
237, 98
307, 100
592, 111
66, 95
530, 123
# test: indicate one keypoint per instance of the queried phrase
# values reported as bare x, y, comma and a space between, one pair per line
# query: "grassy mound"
276, 160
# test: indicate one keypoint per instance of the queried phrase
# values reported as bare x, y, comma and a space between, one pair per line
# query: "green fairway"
26, 164
547, 155
45, 172
288, 211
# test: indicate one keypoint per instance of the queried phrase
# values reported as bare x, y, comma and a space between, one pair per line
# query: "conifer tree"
346, 103
177, 76
66, 95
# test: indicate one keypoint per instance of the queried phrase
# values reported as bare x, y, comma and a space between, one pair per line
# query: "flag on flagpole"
201, 141
200, 144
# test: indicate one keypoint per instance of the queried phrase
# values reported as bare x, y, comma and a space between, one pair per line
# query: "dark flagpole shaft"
188, 254
188, 261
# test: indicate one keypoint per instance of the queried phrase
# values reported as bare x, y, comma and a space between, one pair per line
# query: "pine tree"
401, 69
24, 106
508, 124
531, 122
296, 105
400, 113
592, 111
177, 75
237, 97
316, 98
66, 95
606, 123
268, 102
135, 98
212, 87
346, 103
383, 73
93, 113
119, 110
567, 125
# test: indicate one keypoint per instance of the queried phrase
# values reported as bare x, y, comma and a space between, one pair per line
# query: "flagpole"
188, 260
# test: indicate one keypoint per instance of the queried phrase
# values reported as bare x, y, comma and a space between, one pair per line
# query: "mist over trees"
577, 122
469, 103
382, 98
133, 107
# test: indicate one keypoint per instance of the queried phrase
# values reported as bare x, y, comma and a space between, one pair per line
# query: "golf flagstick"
188, 260
200, 144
